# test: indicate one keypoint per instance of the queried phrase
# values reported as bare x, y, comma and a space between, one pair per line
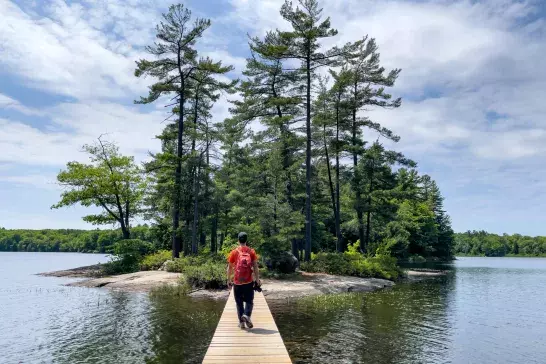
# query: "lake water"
487, 310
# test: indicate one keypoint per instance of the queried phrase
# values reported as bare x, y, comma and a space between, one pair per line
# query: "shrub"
156, 260
209, 276
282, 262
201, 271
228, 247
128, 255
179, 265
133, 247
121, 265
353, 264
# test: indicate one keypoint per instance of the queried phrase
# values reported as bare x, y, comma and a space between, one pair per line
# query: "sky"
473, 85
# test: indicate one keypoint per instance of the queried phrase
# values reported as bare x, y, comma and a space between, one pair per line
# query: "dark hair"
242, 237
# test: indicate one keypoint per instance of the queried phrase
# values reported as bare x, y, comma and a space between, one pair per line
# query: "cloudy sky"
473, 84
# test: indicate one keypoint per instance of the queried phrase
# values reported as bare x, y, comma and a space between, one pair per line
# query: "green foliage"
481, 243
128, 254
81, 241
179, 265
121, 265
282, 262
156, 260
202, 271
210, 275
135, 247
228, 247
111, 182
353, 264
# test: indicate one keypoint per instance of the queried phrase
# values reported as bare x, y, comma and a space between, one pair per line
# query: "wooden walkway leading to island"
262, 344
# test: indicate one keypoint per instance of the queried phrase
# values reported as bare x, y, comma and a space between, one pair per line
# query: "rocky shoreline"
302, 285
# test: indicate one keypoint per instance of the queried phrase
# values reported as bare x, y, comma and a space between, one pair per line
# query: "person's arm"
229, 272
256, 272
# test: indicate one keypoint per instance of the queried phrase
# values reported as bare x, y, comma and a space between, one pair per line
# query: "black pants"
244, 293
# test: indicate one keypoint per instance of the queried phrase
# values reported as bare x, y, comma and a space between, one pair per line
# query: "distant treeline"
66, 240
481, 243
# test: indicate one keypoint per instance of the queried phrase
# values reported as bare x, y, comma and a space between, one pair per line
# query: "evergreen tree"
377, 182
177, 60
302, 43
191, 81
271, 97
367, 89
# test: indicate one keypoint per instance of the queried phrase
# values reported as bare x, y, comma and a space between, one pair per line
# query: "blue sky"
473, 84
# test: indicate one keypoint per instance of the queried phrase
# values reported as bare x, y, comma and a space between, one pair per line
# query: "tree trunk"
222, 237
368, 213
358, 205
330, 182
214, 233
202, 238
195, 210
308, 229
126, 232
339, 245
177, 243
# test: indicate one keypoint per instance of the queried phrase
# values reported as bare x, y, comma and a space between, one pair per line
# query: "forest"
299, 165
481, 243
66, 240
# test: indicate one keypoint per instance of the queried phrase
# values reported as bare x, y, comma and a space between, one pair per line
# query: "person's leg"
238, 293
249, 299
249, 304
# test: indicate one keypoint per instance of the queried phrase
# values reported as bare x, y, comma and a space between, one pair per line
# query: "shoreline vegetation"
296, 285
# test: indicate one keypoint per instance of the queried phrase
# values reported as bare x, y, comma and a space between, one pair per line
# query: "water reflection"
406, 324
181, 328
135, 328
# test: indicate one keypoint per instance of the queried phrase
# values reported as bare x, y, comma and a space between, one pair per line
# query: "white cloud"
75, 125
65, 55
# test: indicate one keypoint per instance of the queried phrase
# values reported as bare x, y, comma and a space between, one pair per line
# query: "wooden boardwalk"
262, 344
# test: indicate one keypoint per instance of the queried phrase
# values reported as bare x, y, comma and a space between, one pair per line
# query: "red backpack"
243, 268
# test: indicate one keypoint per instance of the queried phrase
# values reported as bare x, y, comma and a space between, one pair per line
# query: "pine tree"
177, 60
445, 241
367, 89
204, 90
302, 44
270, 97
376, 178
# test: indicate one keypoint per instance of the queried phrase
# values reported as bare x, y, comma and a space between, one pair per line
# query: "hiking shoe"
247, 321
242, 325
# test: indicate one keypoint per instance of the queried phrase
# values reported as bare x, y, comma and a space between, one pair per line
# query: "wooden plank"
262, 344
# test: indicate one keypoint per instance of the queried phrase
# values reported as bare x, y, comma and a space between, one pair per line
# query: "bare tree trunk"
368, 213
330, 182
339, 245
195, 210
308, 227
214, 232
358, 205
177, 243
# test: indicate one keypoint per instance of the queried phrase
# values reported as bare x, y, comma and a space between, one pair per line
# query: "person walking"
243, 265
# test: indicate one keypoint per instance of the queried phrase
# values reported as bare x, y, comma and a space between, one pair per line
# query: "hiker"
243, 261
